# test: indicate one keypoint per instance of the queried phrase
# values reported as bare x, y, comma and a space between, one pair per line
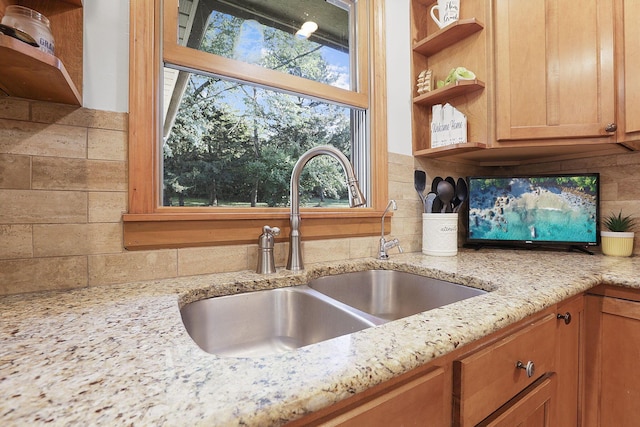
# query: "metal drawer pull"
566, 317
529, 367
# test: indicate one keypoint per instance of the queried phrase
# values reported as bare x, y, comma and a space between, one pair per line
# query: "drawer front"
488, 378
411, 404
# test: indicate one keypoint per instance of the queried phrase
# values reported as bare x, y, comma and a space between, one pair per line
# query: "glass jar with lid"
31, 22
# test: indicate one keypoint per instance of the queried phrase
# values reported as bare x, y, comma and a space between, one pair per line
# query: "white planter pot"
617, 243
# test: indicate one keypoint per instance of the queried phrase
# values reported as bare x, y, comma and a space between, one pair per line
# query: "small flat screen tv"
534, 210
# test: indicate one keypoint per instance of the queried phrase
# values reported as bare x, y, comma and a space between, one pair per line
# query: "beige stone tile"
15, 172
16, 241
404, 226
629, 159
629, 189
214, 259
403, 191
325, 250
412, 243
77, 239
401, 159
75, 174
408, 208
42, 207
619, 173
608, 191
132, 266
107, 206
40, 274
363, 247
106, 144
589, 163
18, 137
46, 112
280, 254
12, 108
400, 173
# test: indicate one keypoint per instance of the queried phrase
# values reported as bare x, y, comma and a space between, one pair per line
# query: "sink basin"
273, 321
389, 294
267, 322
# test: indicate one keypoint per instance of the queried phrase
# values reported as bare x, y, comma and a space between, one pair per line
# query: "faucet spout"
356, 198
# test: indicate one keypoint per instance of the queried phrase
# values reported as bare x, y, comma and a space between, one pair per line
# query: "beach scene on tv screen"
546, 209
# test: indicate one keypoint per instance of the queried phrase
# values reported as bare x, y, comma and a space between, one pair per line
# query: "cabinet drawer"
408, 405
488, 378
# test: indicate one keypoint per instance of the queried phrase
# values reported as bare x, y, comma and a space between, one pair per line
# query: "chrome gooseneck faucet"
384, 245
356, 198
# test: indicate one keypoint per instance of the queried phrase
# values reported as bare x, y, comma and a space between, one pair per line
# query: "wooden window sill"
173, 229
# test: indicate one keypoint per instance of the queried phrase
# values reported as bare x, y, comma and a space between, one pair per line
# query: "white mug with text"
448, 10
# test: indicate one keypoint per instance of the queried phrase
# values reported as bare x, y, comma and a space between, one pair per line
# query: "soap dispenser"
266, 242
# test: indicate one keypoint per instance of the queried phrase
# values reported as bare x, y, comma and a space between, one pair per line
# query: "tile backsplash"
63, 189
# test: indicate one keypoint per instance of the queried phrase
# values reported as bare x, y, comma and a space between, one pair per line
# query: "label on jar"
46, 45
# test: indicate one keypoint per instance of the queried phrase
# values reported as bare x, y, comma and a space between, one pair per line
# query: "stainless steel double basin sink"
272, 321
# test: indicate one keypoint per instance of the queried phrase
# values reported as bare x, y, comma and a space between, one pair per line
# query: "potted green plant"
618, 241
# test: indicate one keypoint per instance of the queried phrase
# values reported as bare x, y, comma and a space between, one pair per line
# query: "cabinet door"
620, 349
628, 62
569, 359
419, 402
531, 408
553, 69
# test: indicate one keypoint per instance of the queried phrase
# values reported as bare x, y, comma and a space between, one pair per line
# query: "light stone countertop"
120, 355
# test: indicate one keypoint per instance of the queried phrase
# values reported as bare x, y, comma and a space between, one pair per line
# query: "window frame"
149, 225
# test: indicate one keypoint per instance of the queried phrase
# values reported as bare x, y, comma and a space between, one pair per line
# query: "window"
241, 99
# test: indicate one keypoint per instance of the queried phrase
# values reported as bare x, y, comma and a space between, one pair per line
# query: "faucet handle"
266, 242
273, 231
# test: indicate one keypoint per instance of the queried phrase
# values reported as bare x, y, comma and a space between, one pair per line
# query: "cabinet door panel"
531, 408
620, 378
554, 79
417, 403
631, 60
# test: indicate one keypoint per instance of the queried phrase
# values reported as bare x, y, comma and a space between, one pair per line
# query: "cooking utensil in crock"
462, 192
446, 192
434, 184
420, 183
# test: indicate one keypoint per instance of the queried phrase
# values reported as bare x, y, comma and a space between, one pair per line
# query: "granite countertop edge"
120, 355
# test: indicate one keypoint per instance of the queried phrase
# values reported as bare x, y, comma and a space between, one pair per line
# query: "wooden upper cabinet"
628, 64
554, 69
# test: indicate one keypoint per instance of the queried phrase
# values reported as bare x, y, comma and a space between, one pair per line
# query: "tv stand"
580, 249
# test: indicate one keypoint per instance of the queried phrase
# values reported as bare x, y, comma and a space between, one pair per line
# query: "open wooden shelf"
449, 150
447, 36
27, 72
438, 96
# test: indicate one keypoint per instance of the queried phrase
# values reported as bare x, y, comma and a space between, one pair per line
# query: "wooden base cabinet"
528, 374
411, 400
494, 377
569, 361
612, 389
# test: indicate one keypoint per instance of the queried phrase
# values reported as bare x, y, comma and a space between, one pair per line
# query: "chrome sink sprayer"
384, 245
356, 198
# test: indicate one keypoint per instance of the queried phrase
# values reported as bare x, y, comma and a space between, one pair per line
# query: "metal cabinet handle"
529, 367
566, 317
611, 127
